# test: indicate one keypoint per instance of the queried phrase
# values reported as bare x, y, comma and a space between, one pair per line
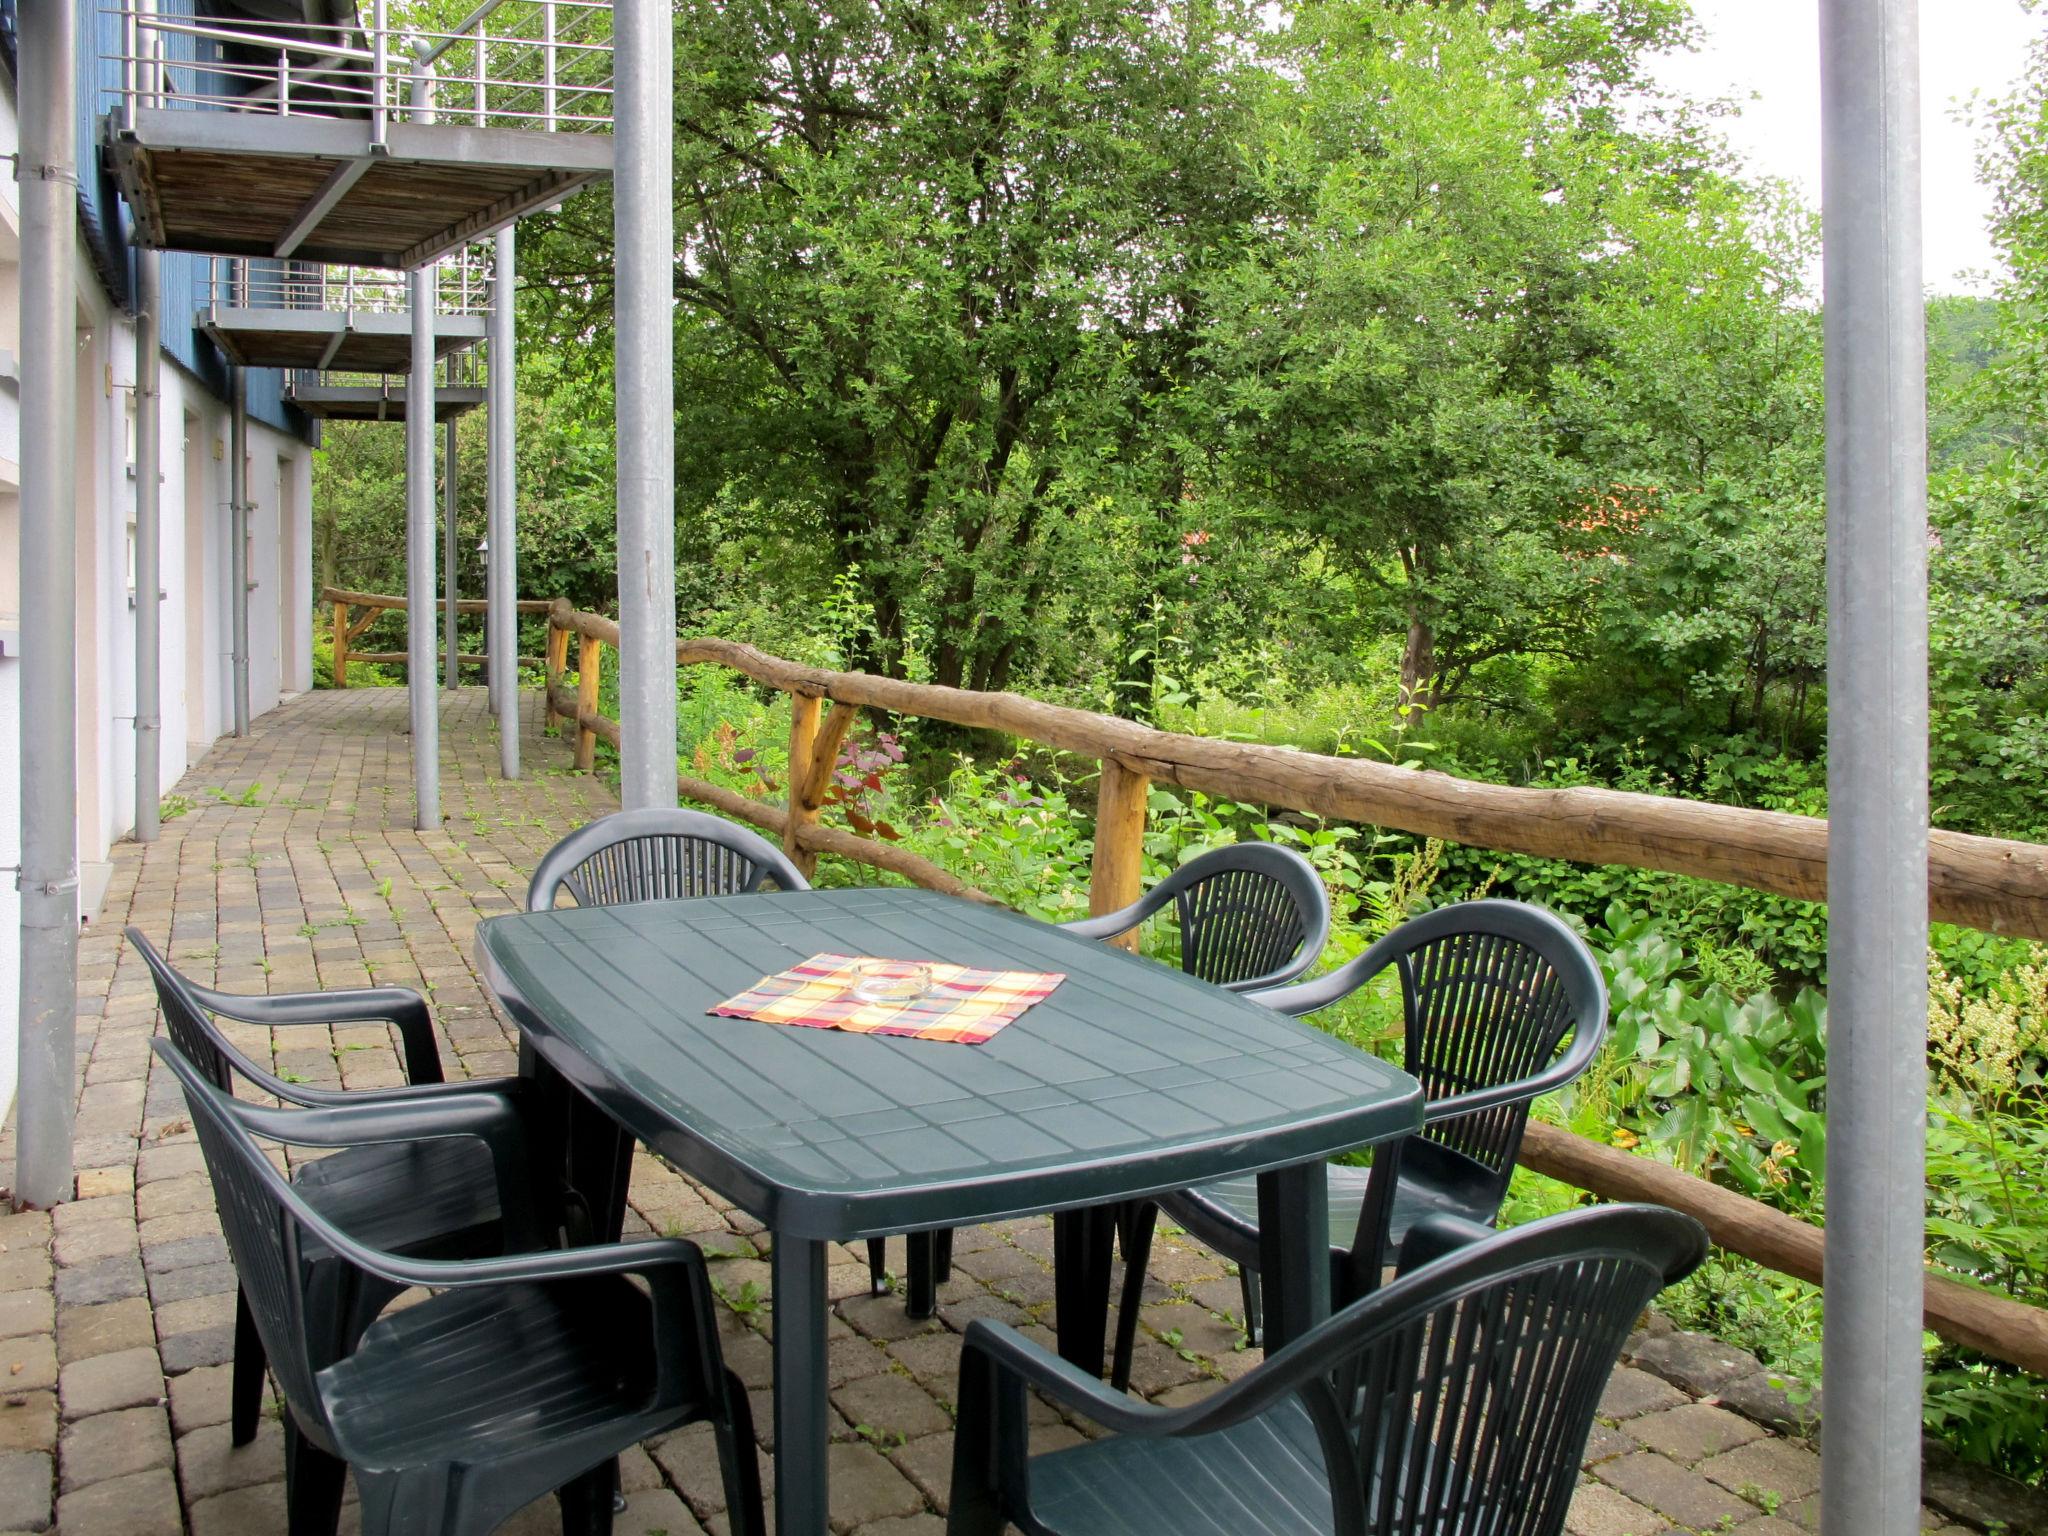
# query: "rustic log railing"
1978, 882
348, 628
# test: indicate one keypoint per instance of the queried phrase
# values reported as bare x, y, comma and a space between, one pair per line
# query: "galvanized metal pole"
451, 630
48, 880
1877, 766
238, 540
502, 532
643, 223
421, 692
148, 547
419, 558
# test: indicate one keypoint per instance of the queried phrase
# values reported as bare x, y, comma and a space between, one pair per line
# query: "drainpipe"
48, 877
148, 547
451, 633
643, 223
503, 526
238, 539
419, 532
1877, 766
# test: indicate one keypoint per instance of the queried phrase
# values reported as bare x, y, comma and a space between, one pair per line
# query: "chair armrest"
491, 1118
1436, 1237
1065, 1383
1110, 924
360, 1005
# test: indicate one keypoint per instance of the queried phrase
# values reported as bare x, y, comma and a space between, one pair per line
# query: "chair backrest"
263, 1219
1489, 990
1251, 914
1460, 1397
658, 854
193, 1030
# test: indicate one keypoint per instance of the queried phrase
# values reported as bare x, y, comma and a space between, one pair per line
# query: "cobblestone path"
290, 864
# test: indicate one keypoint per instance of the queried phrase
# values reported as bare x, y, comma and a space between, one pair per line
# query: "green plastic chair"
517, 1377
1454, 1402
460, 1195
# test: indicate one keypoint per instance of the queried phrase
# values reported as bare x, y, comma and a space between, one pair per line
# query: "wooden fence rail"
348, 629
1978, 882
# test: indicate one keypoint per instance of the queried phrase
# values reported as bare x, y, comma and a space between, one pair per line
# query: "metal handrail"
515, 63
463, 285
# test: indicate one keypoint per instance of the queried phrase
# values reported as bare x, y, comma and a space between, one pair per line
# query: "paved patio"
290, 865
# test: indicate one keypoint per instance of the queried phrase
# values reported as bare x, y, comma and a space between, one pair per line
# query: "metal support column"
419, 559
643, 223
1877, 766
238, 540
148, 548
421, 691
48, 880
451, 628
502, 528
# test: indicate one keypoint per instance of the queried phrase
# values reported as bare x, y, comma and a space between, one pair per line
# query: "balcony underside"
346, 342
255, 184
371, 402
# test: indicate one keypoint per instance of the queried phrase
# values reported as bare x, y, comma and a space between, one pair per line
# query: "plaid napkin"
962, 1005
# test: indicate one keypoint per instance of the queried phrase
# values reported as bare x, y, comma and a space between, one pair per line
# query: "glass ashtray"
892, 981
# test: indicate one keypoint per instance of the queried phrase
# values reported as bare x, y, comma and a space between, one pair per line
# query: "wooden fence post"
1119, 866
589, 669
813, 752
557, 664
341, 645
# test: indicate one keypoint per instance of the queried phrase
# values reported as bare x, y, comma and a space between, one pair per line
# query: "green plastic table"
1132, 1078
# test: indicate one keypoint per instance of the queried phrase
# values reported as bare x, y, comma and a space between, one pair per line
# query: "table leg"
802, 1491
1080, 1276
585, 1152
1294, 1243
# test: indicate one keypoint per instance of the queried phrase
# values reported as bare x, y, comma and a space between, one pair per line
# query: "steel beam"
419, 560
48, 879
321, 203
451, 629
1877, 766
238, 540
148, 546
502, 527
643, 224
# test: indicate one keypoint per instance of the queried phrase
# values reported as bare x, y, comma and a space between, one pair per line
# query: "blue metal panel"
103, 217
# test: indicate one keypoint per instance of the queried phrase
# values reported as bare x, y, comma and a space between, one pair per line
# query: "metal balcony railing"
466, 369
462, 285
533, 64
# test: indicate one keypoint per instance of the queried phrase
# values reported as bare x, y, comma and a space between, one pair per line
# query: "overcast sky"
1771, 48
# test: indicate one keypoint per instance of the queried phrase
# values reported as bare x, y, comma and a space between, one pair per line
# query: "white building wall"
196, 683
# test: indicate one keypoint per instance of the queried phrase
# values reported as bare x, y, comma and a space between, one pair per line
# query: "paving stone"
188, 1351
1605, 1441
1599, 1511
1695, 1363
245, 1511
25, 1269
26, 1490
1783, 1468
894, 1407
127, 1379
1631, 1393
110, 1445
883, 1317
201, 1397
28, 1421
1676, 1492
1692, 1432
110, 1279
1771, 1525
1774, 1401
905, 1525
23, 1312
95, 1182
141, 1504
208, 1463
97, 1240
167, 1285
28, 1363
83, 1332
867, 1487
